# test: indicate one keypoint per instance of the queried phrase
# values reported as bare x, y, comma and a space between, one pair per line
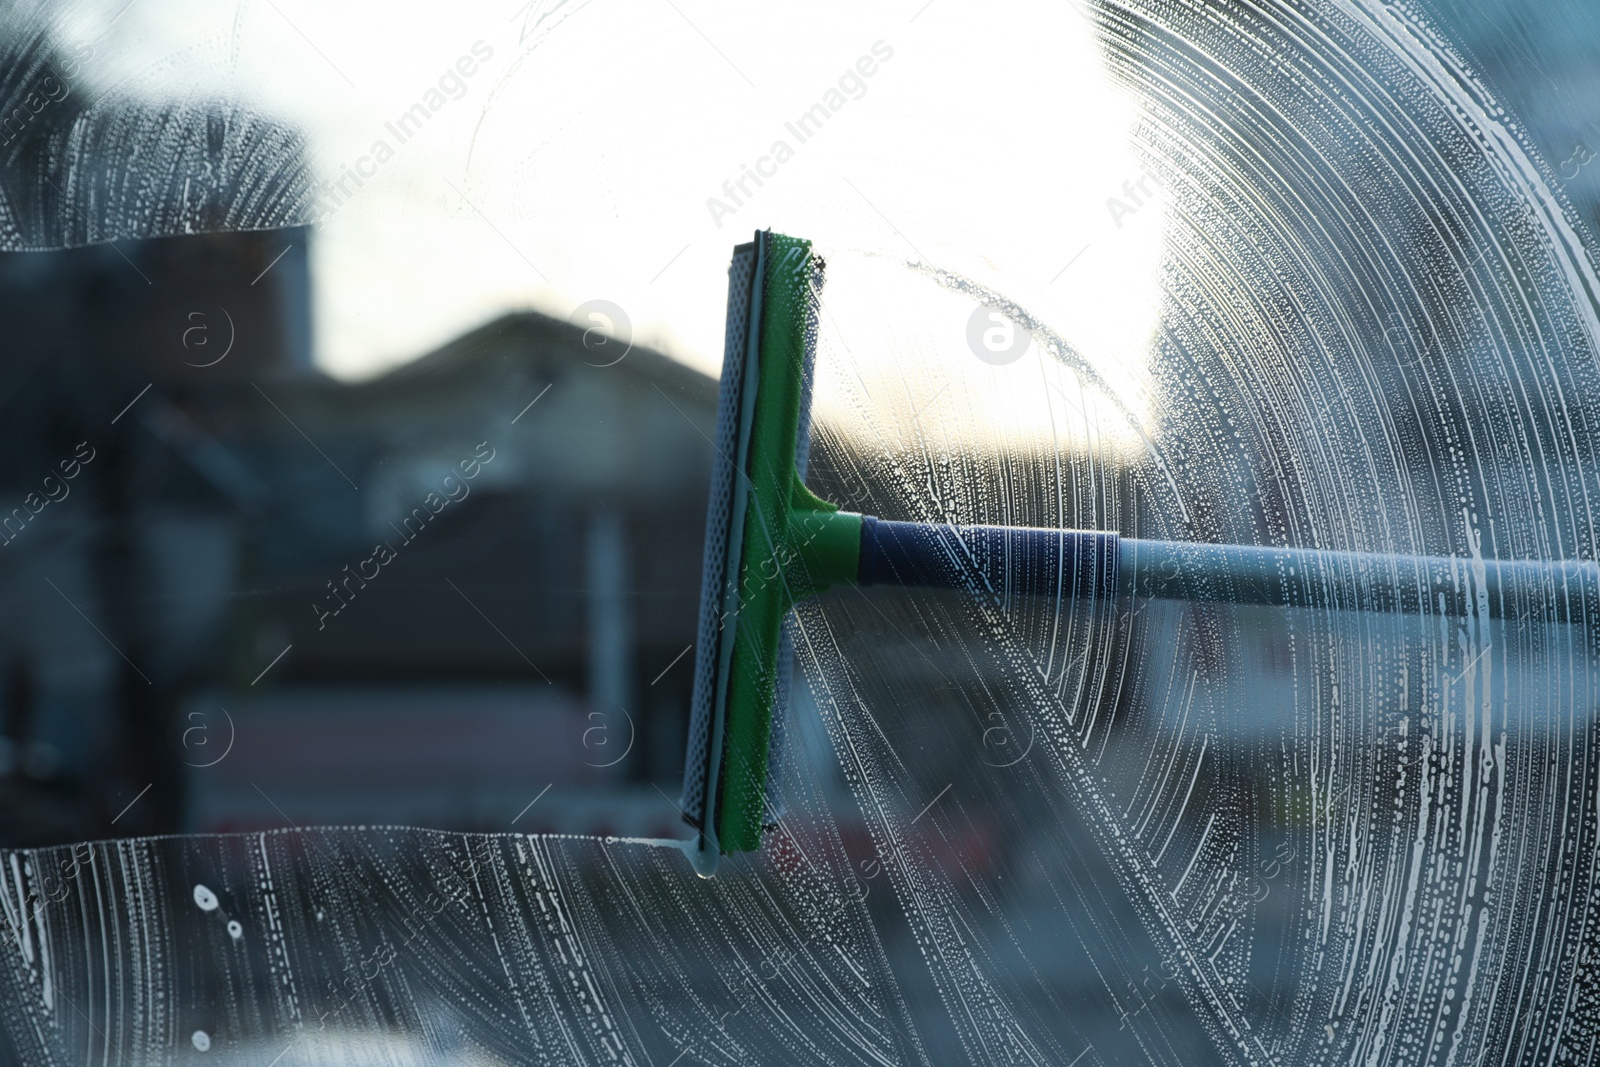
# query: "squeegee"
771, 542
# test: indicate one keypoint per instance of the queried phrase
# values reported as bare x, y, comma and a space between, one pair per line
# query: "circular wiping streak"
1058, 348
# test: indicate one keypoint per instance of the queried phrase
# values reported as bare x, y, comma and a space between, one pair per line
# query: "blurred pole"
145, 703
610, 660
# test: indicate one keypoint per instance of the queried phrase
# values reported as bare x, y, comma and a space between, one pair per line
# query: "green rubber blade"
794, 543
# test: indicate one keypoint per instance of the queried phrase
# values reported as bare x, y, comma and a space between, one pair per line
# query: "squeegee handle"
1074, 563
1085, 563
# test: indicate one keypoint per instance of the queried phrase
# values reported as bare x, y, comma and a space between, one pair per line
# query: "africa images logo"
451, 85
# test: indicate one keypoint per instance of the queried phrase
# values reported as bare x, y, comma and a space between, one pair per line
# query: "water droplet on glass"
201, 1039
205, 898
234, 929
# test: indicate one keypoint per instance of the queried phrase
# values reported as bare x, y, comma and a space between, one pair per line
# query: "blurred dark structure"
174, 607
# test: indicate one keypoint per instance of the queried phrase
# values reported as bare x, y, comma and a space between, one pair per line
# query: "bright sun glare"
595, 153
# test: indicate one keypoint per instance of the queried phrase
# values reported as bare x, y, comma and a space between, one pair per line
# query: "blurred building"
500, 540
200, 619
122, 513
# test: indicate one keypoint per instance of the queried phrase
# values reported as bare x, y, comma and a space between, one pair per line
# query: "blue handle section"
1562, 591
997, 559
1089, 563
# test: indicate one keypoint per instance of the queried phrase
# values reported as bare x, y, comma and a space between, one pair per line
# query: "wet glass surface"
356, 405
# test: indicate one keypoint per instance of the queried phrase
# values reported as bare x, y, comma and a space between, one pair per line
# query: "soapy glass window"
358, 400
